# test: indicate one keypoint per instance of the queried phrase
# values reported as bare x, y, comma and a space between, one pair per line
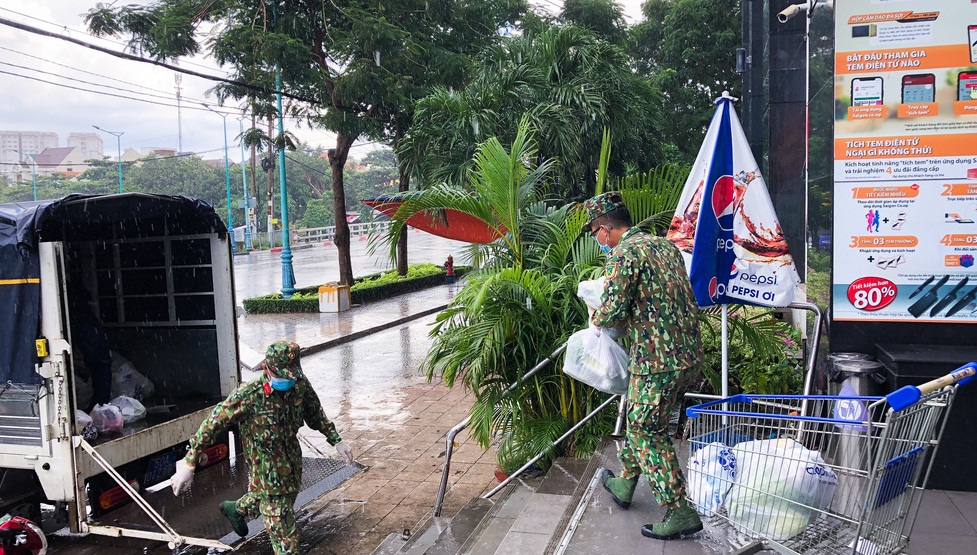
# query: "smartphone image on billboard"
967, 85
866, 91
918, 88
972, 41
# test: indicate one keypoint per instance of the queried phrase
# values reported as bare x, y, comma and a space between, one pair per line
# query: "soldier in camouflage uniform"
269, 412
648, 291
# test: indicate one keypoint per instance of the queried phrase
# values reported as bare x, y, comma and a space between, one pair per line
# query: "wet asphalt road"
260, 273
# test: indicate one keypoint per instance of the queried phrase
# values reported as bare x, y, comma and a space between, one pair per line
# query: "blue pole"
288, 274
244, 185
118, 143
227, 181
34, 175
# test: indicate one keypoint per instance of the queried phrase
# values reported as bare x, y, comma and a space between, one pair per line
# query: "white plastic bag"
712, 470
590, 291
768, 470
85, 426
597, 360
132, 409
128, 381
107, 418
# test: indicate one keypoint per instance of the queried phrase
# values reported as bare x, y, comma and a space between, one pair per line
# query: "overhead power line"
123, 55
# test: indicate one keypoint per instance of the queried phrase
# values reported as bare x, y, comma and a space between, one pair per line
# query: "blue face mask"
604, 248
281, 384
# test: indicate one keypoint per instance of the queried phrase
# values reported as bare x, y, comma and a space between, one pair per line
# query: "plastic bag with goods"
132, 409
85, 426
770, 471
595, 359
712, 470
107, 418
590, 291
128, 381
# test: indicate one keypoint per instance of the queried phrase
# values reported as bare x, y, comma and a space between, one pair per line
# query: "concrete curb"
312, 349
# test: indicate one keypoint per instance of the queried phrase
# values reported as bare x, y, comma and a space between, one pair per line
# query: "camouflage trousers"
278, 516
647, 447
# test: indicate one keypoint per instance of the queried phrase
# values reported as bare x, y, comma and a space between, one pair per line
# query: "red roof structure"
452, 225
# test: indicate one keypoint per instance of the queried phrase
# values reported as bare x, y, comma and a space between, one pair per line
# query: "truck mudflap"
190, 519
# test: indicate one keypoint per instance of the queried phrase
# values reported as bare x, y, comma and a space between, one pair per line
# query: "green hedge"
364, 289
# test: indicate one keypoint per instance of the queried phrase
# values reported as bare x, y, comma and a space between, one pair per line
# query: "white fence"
323, 234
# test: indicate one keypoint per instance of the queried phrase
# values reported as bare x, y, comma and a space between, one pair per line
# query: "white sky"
32, 103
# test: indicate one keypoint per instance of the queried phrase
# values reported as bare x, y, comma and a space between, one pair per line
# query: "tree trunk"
402, 238
337, 161
403, 186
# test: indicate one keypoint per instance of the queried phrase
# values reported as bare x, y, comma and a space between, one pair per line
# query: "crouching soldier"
269, 411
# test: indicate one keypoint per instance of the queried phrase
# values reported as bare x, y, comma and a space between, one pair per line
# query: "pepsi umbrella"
726, 227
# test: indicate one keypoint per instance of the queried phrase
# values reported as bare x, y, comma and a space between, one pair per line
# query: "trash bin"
333, 297
866, 377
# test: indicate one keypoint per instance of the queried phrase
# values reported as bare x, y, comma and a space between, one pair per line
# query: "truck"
157, 274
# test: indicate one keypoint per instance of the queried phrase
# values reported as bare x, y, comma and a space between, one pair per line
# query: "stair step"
461, 527
509, 503
391, 545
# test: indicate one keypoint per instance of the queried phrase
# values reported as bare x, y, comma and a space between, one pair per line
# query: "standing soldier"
648, 291
269, 411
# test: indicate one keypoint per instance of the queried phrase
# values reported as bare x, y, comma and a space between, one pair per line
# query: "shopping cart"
810, 474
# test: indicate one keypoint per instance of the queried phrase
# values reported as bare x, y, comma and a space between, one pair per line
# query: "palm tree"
567, 83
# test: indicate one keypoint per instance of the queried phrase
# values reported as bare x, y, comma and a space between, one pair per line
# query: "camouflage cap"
283, 359
600, 205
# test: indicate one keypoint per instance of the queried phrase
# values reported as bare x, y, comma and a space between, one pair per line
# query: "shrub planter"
369, 288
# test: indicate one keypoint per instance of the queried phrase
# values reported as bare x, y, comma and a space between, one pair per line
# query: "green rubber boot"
621, 489
677, 523
238, 522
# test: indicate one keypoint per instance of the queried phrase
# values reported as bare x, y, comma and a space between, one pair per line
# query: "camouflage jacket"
648, 291
269, 422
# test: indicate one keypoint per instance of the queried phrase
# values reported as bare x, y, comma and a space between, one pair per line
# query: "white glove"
345, 451
182, 478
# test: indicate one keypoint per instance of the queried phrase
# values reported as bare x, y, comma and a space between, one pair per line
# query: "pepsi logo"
724, 201
713, 287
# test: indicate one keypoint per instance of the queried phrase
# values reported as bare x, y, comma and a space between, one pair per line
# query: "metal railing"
622, 408
328, 233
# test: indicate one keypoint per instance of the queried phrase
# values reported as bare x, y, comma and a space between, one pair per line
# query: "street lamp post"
244, 185
288, 274
227, 177
118, 144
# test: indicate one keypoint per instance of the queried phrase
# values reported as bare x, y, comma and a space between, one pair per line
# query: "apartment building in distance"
90, 144
17, 147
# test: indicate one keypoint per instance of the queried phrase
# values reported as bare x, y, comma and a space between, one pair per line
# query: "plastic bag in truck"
107, 418
132, 409
128, 381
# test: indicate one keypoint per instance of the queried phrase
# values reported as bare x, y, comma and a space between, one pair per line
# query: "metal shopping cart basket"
809, 474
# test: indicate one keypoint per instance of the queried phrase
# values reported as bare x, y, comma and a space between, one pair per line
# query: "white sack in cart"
769, 471
128, 381
712, 470
132, 410
107, 418
590, 291
597, 360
